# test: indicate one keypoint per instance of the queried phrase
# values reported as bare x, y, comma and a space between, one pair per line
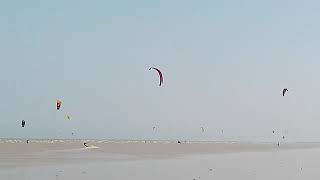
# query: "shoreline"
141, 148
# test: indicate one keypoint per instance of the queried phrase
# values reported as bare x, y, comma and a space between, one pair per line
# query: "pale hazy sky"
225, 64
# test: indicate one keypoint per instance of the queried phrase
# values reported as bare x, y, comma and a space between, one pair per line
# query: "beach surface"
145, 160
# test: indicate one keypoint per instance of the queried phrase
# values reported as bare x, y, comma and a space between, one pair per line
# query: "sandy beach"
139, 160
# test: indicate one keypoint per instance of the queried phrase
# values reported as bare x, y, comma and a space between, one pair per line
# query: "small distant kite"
23, 123
59, 103
284, 91
68, 117
160, 74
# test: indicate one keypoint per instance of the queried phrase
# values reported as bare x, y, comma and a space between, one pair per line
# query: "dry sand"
140, 160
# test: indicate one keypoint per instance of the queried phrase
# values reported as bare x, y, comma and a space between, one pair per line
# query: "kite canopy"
160, 75
284, 91
23, 123
59, 103
68, 117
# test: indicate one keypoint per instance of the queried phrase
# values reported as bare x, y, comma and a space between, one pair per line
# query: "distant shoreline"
164, 140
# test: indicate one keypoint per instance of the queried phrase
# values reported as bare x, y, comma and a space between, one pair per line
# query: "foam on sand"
92, 147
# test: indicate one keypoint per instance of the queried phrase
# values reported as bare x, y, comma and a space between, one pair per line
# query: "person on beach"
85, 144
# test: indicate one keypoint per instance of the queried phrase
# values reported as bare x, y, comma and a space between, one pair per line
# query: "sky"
225, 63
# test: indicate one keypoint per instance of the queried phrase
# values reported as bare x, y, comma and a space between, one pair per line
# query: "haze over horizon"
225, 64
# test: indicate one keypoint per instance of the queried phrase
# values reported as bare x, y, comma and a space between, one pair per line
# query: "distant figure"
23, 123
282, 137
179, 142
85, 144
273, 131
27, 141
278, 144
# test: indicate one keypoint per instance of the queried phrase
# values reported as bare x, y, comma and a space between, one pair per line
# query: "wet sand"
105, 159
